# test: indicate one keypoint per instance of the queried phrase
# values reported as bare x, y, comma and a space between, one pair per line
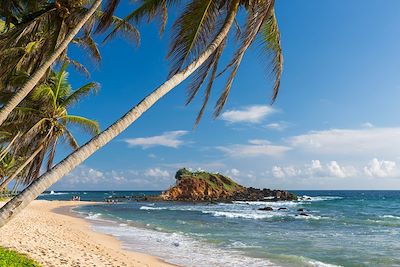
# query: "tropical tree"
7, 166
194, 34
48, 124
64, 27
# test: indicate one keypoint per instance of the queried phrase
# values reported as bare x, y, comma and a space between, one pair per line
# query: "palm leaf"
43, 91
148, 9
52, 152
88, 125
211, 80
253, 26
192, 32
70, 139
85, 90
271, 38
106, 18
60, 79
90, 45
78, 66
126, 29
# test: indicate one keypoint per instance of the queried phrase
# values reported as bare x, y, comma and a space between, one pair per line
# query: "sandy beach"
55, 239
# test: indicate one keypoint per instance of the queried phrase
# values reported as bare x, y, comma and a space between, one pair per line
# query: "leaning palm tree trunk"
38, 74
4, 152
73, 160
11, 177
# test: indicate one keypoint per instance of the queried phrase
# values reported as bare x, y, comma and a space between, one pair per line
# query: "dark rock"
282, 209
303, 214
301, 209
266, 208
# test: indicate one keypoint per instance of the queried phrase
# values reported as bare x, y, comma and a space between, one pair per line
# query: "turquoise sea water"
344, 228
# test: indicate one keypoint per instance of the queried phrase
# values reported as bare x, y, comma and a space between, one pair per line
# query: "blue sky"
335, 124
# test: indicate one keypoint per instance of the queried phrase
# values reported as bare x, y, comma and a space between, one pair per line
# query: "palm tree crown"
44, 120
196, 27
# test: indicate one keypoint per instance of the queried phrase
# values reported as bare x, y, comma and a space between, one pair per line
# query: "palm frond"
147, 10
88, 125
90, 45
70, 139
85, 90
192, 32
211, 80
253, 26
61, 86
198, 78
272, 40
79, 67
43, 91
125, 28
52, 152
106, 18
34, 131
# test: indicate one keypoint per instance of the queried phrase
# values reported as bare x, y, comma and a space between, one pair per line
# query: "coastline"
48, 232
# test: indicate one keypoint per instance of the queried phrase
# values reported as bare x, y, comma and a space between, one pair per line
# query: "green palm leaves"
194, 30
43, 121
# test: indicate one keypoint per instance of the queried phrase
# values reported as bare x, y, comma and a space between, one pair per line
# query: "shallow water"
344, 228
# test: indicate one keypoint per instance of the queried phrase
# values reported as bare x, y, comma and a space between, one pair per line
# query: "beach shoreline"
50, 233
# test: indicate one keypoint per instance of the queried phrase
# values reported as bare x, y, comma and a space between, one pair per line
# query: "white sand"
54, 239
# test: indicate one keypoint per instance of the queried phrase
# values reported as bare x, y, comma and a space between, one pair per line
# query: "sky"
335, 124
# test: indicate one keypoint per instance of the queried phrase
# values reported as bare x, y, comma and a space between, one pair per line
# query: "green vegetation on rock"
206, 186
213, 179
9, 258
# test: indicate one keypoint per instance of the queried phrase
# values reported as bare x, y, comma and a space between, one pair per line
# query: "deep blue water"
344, 228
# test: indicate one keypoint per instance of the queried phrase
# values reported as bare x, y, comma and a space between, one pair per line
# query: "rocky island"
205, 186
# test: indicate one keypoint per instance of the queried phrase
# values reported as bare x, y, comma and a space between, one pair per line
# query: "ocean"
344, 228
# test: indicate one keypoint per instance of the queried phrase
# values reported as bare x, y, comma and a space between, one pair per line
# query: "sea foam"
178, 248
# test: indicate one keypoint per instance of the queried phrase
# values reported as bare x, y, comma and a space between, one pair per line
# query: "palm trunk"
9, 179
4, 152
15, 205
35, 77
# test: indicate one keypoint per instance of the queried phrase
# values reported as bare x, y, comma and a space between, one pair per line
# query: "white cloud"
85, 175
335, 170
255, 148
87, 178
234, 172
251, 114
278, 172
277, 126
259, 142
315, 169
380, 168
168, 139
156, 172
374, 141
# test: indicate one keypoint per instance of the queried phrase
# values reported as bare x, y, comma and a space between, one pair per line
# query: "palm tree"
51, 55
47, 110
261, 19
195, 29
7, 166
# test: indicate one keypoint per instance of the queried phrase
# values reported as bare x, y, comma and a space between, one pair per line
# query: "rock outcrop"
205, 186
